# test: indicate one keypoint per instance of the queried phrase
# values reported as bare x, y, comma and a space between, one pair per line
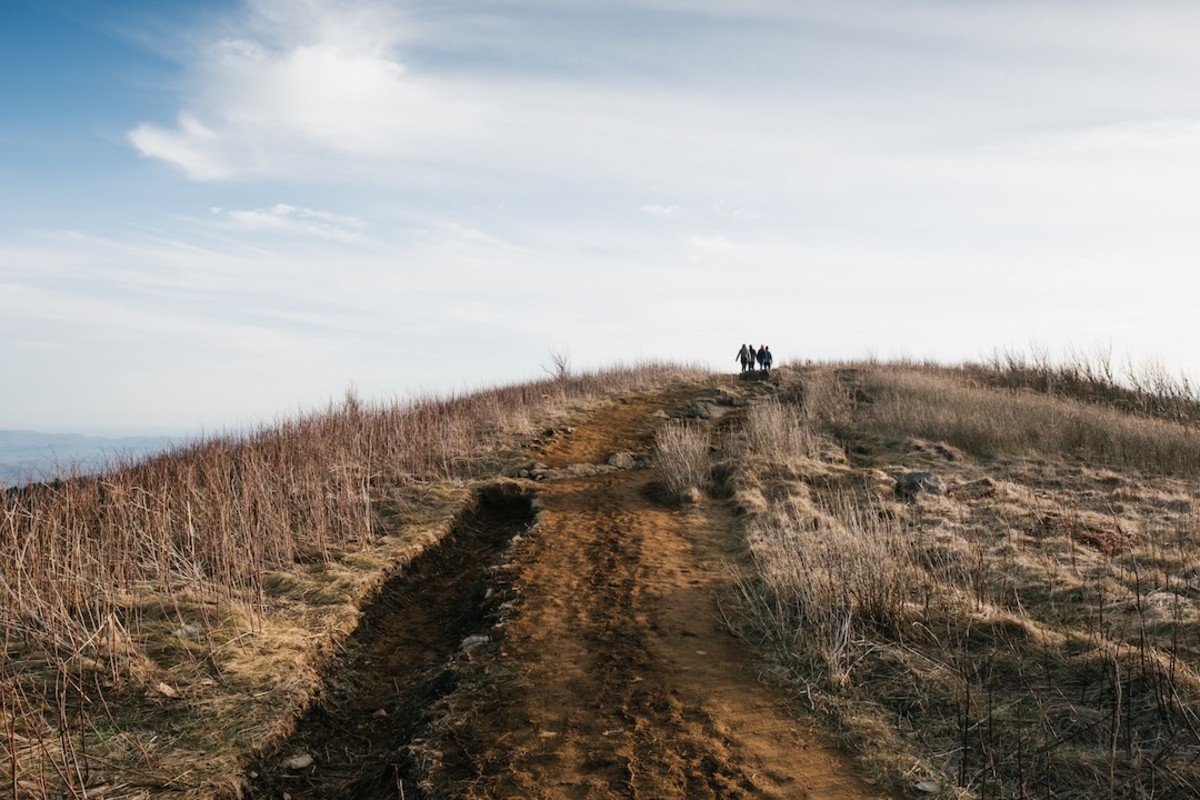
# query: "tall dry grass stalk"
681, 456
83, 561
779, 431
826, 575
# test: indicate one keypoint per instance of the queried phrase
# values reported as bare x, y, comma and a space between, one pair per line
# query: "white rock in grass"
189, 631
471, 642
299, 762
928, 787
161, 689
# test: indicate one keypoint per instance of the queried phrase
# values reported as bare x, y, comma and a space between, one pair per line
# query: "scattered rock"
928, 787
911, 484
703, 409
163, 691
624, 461
471, 642
721, 397
380, 714
299, 762
189, 631
573, 471
621, 460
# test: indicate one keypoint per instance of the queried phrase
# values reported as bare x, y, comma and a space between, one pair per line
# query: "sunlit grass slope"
162, 620
1035, 632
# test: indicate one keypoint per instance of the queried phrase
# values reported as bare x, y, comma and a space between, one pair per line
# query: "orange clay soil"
607, 671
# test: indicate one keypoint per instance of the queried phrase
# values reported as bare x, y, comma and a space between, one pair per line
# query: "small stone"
471, 642
161, 689
299, 762
928, 787
189, 631
622, 461
380, 714
911, 484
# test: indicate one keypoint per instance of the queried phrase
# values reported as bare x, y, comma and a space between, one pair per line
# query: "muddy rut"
595, 663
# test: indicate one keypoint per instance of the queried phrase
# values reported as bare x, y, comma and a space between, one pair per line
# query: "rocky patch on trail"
911, 484
616, 462
627, 461
709, 404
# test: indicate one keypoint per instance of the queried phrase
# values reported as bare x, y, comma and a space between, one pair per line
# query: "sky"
217, 214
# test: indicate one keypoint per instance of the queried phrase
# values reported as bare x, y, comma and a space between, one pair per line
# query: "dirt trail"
611, 674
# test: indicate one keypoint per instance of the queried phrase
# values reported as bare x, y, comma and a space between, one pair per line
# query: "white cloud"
731, 211
191, 146
1169, 138
657, 210
305, 79
284, 218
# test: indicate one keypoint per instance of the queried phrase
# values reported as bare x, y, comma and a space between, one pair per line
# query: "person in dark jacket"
761, 355
766, 358
745, 357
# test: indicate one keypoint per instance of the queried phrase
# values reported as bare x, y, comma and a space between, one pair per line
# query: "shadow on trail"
396, 664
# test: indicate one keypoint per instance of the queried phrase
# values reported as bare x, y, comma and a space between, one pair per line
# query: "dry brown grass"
985, 422
163, 619
681, 455
1036, 633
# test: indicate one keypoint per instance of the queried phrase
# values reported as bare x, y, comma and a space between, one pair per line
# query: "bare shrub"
681, 455
559, 367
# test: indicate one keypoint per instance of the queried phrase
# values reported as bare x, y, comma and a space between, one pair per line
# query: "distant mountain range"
31, 456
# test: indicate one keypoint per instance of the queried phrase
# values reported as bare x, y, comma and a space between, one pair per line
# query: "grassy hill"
1032, 631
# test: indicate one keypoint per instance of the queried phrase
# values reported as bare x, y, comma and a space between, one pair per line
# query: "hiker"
766, 358
761, 355
744, 357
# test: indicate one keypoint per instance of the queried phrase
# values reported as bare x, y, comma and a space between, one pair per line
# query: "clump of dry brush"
681, 455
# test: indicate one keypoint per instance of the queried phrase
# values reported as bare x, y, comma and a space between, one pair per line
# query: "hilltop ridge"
1026, 622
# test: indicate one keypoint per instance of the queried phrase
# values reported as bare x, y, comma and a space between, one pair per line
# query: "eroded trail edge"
356, 741
606, 671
